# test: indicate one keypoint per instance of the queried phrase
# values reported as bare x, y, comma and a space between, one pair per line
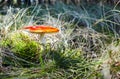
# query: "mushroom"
41, 30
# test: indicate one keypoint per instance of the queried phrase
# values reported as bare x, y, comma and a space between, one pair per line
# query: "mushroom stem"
41, 36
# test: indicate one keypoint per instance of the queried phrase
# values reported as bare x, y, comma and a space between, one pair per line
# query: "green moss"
22, 46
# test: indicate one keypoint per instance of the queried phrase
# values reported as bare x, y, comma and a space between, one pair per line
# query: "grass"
87, 45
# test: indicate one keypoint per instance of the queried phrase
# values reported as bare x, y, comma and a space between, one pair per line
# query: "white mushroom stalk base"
41, 38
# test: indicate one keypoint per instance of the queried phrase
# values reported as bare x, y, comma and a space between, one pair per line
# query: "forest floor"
87, 45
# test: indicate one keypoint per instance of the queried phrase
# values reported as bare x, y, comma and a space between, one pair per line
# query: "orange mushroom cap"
41, 29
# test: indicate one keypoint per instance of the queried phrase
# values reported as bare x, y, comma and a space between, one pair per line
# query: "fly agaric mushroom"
41, 30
